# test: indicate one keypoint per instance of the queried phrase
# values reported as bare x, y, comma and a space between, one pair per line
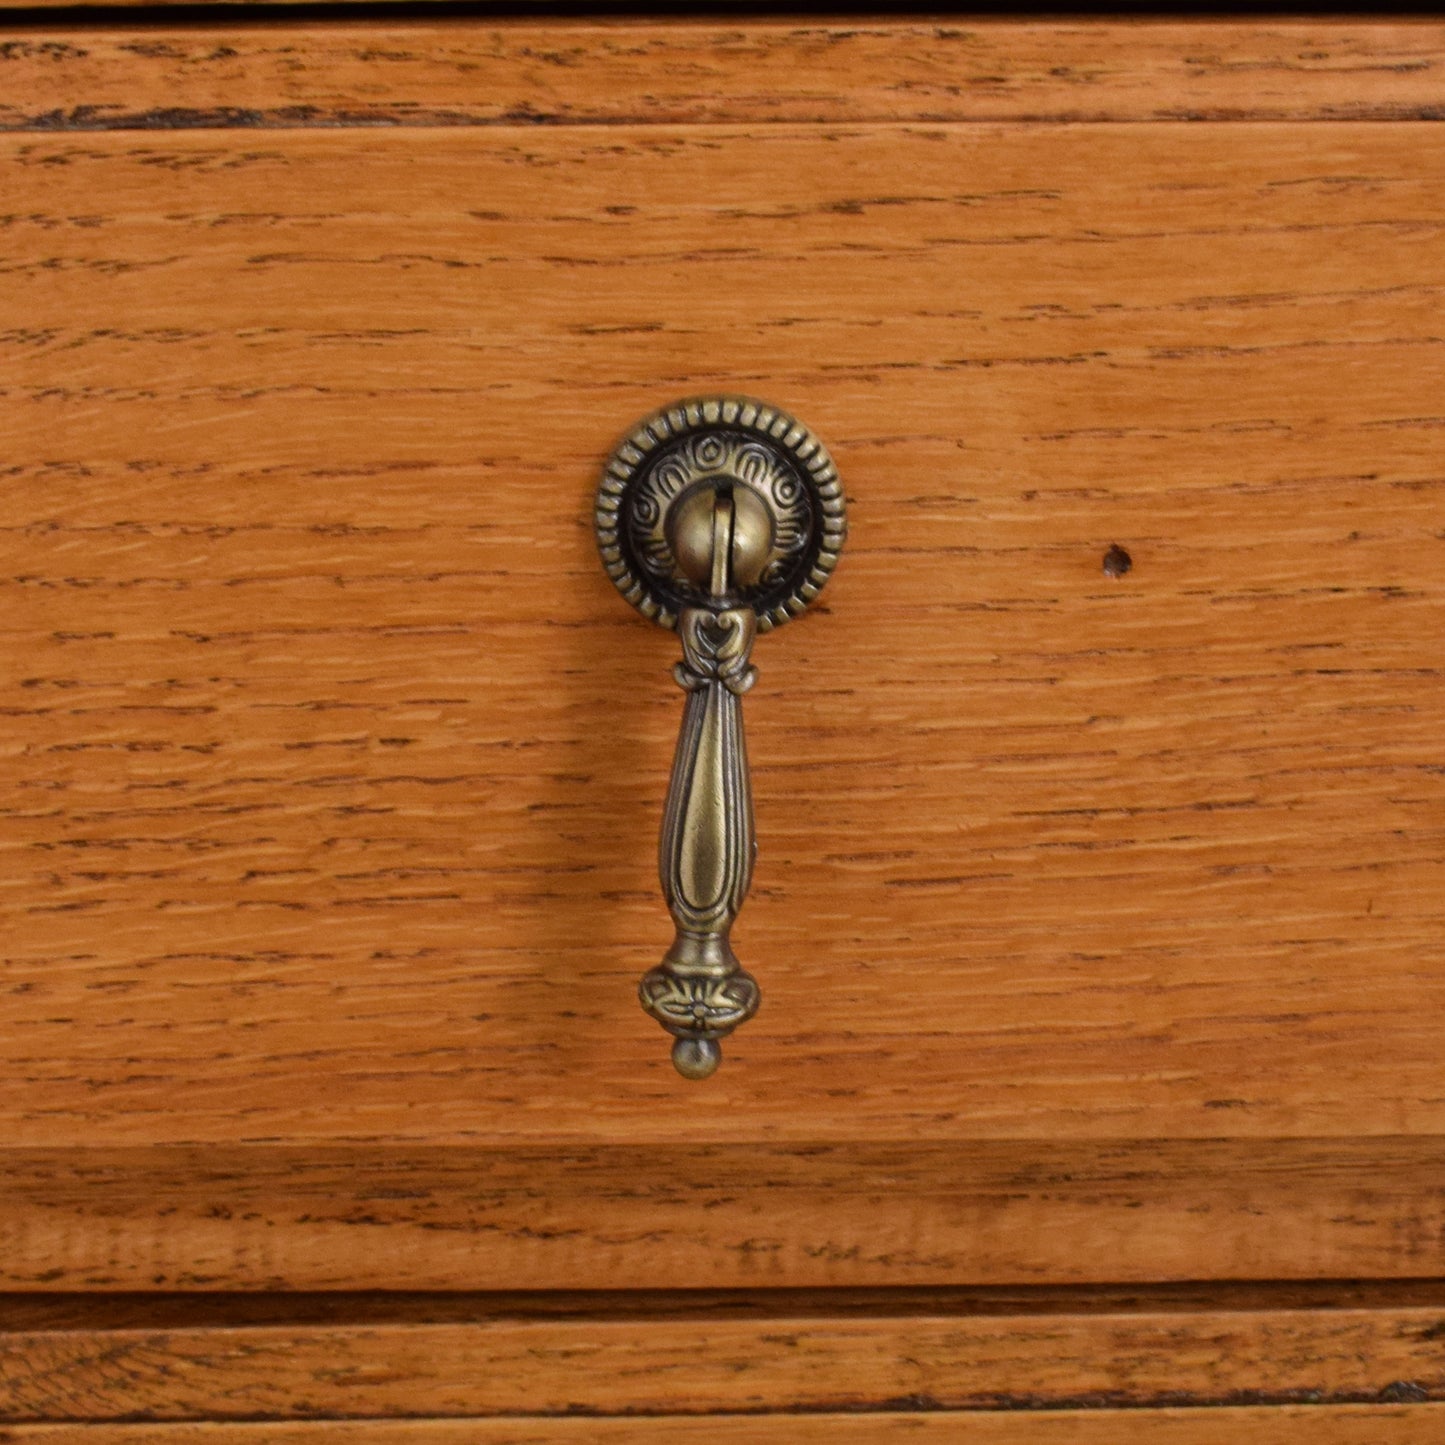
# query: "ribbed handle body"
699, 992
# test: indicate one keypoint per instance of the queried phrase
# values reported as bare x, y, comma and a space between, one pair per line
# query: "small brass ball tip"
696, 1058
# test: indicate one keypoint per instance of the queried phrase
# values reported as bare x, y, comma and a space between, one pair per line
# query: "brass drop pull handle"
720, 517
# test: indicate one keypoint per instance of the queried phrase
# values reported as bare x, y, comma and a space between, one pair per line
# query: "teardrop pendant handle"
699, 992
720, 517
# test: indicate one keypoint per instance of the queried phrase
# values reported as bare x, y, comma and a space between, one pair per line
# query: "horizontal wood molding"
487, 71
1307, 1425
609, 1357
714, 1216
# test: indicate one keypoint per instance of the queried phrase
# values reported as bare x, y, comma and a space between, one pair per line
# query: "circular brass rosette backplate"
709, 443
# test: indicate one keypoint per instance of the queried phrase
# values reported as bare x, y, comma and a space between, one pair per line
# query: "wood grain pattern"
711, 1216
747, 1355
330, 766
480, 71
312, 831
1305, 1425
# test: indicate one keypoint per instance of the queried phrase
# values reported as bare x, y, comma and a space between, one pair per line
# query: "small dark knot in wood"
1117, 561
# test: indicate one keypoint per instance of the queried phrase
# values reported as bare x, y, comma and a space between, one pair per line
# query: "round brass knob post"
720, 517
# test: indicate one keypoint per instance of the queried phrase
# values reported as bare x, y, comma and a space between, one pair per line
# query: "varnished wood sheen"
482, 71
1099, 917
334, 762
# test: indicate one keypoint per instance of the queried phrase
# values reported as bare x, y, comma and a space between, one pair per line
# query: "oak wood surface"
710, 1216
1303, 1425
333, 764
728, 1356
487, 71
1099, 918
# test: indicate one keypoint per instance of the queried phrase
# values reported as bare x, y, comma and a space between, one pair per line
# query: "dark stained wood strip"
162, 1310
713, 1216
487, 71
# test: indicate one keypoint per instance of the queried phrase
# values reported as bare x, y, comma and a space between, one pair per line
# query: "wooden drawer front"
336, 763
333, 763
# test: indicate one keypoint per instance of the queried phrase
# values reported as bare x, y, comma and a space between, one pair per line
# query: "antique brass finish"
720, 517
